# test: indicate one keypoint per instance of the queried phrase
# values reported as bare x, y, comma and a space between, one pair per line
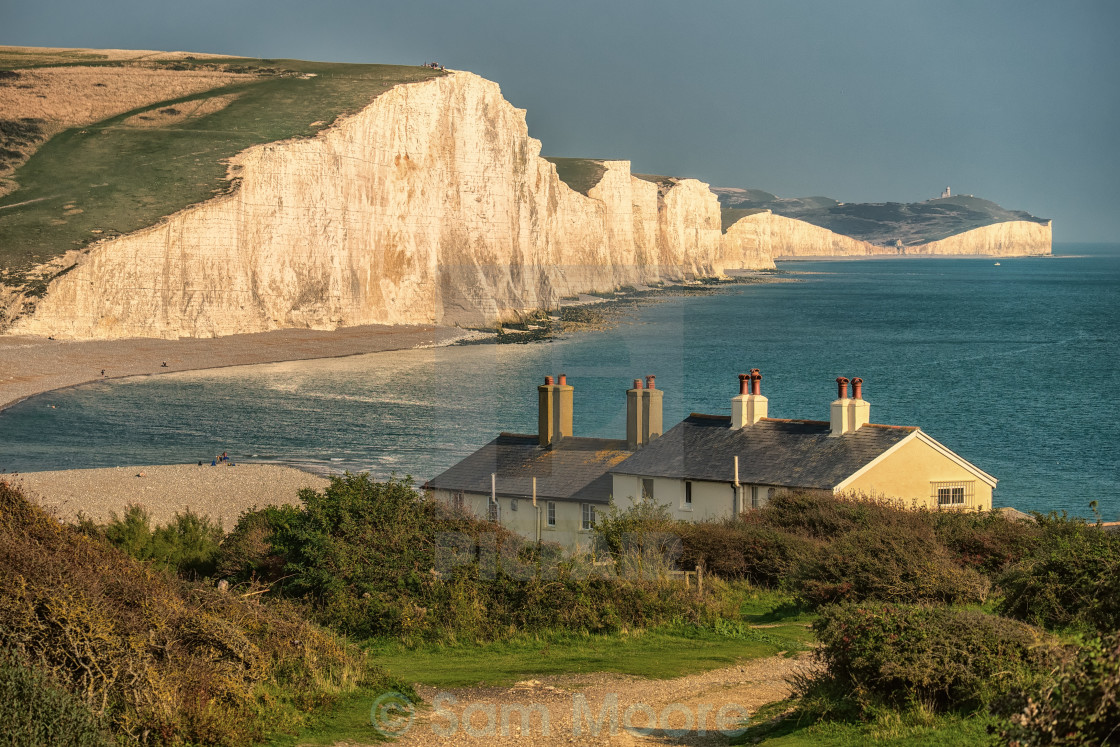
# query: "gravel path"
496, 715
222, 493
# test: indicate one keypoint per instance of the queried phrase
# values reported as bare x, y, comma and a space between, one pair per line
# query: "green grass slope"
878, 223
114, 179
581, 174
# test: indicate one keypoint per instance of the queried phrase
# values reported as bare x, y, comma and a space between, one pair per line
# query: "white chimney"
840, 413
750, 406
859, 409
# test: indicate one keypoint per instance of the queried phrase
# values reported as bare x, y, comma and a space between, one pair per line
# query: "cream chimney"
859, 409
840, 412
554, 410
651, 410
750, 406
643, 413
634, 429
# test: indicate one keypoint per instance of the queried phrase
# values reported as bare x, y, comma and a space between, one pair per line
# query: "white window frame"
647, 494
956, 494
686, 504
550, 513
458, 500
512, 504
586, 516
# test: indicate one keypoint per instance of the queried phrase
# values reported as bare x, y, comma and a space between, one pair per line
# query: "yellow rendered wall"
906, 475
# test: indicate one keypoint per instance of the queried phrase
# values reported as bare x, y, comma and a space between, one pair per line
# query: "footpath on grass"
706, 708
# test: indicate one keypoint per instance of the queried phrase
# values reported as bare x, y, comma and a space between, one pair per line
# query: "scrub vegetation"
920, 623
111, 177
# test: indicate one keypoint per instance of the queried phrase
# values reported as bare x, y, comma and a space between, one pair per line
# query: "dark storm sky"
1017, 101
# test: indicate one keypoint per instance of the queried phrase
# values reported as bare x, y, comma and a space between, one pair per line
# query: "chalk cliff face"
1010, 239
783, 238
431, 205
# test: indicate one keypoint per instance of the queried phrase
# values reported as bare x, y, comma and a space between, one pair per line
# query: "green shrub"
985, 540
365, 557
158, 659
188, 545
938, 658
35, 712
1071, 579
737, 550
885, 565
1081, 707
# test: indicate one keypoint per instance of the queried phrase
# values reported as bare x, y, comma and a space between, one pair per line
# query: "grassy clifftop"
143, 162
878, 223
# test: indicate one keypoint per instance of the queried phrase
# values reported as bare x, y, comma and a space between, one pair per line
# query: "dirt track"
573, 703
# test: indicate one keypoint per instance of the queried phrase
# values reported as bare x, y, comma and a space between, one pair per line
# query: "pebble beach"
222, 493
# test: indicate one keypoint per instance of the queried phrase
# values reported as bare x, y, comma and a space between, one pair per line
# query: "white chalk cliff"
430, 205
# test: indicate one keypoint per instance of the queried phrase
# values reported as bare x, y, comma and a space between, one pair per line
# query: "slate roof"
785, 453
573, 469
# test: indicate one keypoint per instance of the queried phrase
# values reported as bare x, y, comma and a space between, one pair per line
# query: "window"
952, 494
550, 513
688, 493
512, 504
494, 512
588, 516
647, 488
457, 500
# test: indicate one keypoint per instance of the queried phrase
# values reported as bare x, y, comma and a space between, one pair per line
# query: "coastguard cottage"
548, 486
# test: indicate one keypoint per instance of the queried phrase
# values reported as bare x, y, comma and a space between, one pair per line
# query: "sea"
1012, 363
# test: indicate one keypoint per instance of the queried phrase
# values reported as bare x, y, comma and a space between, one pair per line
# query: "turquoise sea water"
1015, 367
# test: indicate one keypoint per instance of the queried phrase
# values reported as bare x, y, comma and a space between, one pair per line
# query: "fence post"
700, 578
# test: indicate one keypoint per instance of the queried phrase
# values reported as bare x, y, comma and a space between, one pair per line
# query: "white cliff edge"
431, 205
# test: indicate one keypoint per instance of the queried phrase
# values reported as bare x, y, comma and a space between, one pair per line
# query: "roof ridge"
900, 427
796, 420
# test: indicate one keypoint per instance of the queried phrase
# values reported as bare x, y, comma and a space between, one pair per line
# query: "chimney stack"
750, 406
840, 412
859, 409
643, 413
554, 412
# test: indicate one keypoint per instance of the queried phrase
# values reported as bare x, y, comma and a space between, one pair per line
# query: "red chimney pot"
756, 382
649, 382
637, 383
563, 379
841, 387
744, 384
548, 381
857, 388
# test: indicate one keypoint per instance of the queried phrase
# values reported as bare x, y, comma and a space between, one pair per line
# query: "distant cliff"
946, 225
430, 205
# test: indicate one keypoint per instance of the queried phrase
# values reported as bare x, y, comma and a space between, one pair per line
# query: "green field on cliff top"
105, 179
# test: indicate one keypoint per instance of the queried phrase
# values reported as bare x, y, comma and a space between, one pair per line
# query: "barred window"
588, 516
457, 500
551, 513
494, 513
952, 494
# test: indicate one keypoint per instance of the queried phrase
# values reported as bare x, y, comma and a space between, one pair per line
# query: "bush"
885, 565
937, 658
187, 546
987, 541
1071, 579
158, 659
35, 712
1082, 707
733, 549
365, 556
